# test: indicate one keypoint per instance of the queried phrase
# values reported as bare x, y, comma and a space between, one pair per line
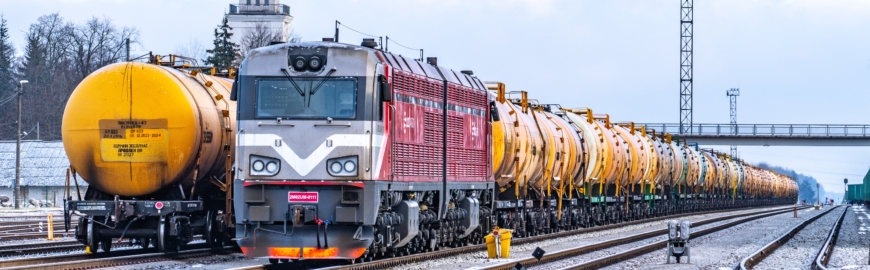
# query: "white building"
43, 172
248, 13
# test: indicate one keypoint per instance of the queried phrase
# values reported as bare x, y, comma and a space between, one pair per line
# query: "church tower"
248, 13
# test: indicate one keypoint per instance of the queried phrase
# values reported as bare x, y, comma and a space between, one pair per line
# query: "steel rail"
38, 235
619, 257
16, 229
397, 262
759, 255
57, 246
39, 249
825, 251
108, 259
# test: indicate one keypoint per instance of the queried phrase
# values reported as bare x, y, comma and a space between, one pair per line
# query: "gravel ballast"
725, 248
478, 259
851, 250
801, 250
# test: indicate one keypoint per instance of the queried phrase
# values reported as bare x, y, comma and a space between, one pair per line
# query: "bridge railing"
802, 130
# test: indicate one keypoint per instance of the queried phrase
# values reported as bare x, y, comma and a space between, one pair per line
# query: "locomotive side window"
308, 98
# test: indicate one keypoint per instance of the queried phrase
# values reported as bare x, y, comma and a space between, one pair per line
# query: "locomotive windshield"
312, 98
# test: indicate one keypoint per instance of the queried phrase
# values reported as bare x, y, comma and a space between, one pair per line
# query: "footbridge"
768, 134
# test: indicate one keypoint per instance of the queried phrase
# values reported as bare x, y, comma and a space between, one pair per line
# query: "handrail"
784, 130
267, 9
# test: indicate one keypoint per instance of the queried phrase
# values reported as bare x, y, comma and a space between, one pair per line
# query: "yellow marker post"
50, 227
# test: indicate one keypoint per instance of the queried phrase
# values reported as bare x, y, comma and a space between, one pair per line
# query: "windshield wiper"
287, 75
314, 90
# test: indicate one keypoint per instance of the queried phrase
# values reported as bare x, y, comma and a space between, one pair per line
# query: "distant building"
245, 16
43, 171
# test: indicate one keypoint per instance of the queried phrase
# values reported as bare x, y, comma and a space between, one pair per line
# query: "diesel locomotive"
352, 152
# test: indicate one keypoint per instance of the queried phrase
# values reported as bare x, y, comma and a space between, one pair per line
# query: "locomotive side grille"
421, 160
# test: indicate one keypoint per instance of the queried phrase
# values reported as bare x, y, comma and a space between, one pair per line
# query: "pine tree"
224, 52
7, 54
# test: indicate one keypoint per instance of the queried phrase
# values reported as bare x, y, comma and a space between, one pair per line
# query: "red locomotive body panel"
417, 130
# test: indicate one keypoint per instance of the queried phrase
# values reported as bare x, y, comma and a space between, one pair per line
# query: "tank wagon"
349, 152
154, 140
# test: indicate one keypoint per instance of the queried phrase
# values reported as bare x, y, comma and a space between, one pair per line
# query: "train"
857, 193
352, 152
326, 150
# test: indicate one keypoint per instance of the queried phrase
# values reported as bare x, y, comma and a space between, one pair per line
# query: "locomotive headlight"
349, 166
299, 63
335, 167
257, 166
314, 63
272, 167
264, 166
343, 166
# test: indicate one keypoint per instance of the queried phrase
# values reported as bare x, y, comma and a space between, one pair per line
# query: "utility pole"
17, 188
732, 94
686, 46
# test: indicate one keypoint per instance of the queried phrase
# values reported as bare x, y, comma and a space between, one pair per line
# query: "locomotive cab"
346, 151
308, 122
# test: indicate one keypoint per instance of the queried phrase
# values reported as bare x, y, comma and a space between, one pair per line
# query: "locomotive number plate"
302, 197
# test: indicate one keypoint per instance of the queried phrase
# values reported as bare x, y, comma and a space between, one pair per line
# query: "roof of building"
43, 163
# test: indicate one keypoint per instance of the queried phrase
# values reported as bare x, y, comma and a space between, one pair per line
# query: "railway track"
824, 254
398, 262
111, 259
56, 247
634, 252
36, 235
758, 256
28, 228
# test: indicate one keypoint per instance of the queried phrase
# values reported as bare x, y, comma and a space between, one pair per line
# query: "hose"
127, 227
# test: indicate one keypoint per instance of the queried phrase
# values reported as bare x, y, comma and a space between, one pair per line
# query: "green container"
855, 192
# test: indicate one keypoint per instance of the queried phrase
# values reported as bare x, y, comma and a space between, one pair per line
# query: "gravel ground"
521, 251
723, 249
616, 249
207, 263
851, 249
801, 250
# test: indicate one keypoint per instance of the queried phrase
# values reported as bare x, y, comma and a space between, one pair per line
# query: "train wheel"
273, 261
91, 236
165, 242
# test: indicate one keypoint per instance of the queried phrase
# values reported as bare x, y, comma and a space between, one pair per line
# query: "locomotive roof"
43, 163
398, 62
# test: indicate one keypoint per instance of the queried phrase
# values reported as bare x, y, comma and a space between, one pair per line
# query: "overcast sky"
800, 62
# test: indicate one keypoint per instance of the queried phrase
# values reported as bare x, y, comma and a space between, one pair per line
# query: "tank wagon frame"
399, 156
154, 199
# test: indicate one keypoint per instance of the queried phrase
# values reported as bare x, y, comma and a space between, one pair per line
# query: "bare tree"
260, 35
193, 49
294, 37
98, 43
57, 56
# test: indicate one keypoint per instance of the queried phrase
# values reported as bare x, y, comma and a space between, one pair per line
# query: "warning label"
134, 140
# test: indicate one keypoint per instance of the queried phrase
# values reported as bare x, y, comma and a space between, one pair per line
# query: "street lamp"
17, 191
